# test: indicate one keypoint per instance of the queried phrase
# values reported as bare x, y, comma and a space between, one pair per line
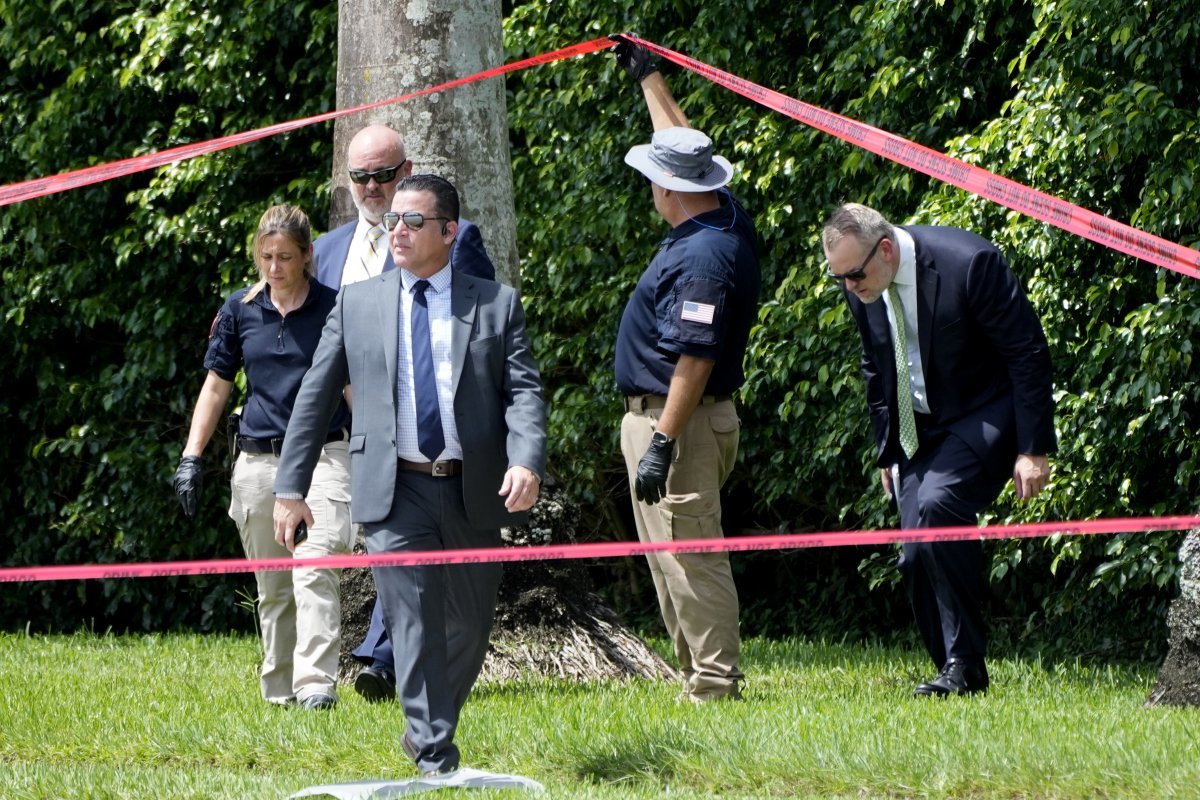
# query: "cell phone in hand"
301, 533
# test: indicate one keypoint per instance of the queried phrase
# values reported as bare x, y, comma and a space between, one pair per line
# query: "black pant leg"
947, 485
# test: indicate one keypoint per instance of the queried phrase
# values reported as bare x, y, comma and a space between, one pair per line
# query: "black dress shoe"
318, 702
375, 684
957, 677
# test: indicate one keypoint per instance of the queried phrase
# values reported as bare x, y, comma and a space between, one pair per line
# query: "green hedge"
1093, 102
108, 291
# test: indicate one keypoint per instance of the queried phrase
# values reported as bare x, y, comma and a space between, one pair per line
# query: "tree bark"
388, 48
547, 623
1179, 677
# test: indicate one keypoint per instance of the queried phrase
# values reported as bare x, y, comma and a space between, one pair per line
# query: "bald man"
376, 161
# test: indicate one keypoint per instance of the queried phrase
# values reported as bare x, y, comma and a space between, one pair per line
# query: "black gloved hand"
633, 58
189, 477
650, 484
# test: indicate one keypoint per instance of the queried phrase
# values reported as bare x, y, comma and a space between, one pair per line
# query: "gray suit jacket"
498, 406
330, 251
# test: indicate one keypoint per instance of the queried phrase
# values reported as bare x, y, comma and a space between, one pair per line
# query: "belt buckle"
441, 469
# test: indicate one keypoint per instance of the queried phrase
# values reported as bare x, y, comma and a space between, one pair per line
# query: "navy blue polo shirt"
275, 351
698, 297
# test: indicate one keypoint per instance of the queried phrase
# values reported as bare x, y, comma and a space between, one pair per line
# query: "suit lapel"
882, 332
333, 262
464, 302
388, 320
927, 290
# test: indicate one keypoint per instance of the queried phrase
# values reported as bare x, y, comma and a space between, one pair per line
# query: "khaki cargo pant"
299, 611
695, 590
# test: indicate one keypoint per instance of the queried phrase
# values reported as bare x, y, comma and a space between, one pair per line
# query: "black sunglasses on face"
385, 175
861, 272
413, 220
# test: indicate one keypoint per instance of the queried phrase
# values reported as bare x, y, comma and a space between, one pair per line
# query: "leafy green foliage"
107, 291
1092, 101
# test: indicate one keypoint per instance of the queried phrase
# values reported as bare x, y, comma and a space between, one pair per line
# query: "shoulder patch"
698, 312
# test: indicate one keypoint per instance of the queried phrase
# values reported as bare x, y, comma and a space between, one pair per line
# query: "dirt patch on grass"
1179, 677
549, 622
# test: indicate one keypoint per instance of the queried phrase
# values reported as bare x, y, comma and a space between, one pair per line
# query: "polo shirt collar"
263, 297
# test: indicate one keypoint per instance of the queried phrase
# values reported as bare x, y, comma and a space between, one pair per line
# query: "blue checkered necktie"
430, 438
908, 421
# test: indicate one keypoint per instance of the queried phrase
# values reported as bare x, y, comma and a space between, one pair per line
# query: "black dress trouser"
947, 484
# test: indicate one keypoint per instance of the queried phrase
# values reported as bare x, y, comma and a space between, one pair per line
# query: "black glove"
633, 58
650, 485
189, 477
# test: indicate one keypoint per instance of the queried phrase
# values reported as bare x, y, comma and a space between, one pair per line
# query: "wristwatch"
661, 438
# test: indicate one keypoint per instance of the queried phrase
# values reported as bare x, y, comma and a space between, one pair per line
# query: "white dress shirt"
360, 251
437, 297
906, 287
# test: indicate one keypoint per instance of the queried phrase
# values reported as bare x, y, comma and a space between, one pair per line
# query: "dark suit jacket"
467, 255
498, 406
983, 351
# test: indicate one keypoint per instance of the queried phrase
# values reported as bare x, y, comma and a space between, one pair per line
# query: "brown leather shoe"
958, 677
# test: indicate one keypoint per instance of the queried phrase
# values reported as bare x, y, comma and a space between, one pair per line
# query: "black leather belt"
446, 468
638, 403
274, 446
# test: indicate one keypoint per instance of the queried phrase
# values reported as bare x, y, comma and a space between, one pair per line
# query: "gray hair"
854, 219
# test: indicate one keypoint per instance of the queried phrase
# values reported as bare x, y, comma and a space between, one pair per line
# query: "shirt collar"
439, 281
360, 230
906, 273
263, 298
721, 218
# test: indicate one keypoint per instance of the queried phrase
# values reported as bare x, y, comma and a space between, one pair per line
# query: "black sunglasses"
386, 175
413, 220
861, 272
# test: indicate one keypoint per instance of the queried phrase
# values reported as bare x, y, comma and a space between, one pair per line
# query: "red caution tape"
603, 550
40, 187
1031, 202
1009, 193
1039, 205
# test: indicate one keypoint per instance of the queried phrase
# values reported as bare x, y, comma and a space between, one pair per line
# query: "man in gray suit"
448, 445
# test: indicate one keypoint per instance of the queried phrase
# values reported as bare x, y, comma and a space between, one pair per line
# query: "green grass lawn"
87, 716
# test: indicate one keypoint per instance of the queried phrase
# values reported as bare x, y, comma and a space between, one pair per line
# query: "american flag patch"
698, 312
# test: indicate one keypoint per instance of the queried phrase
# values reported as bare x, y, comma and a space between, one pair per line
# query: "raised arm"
643, 68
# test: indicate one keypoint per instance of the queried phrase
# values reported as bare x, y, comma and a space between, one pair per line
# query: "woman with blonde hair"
271, 330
